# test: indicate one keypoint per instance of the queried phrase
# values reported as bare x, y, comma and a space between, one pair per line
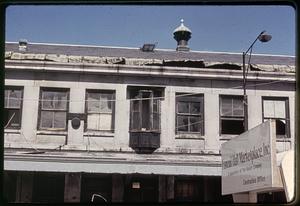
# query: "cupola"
182, 34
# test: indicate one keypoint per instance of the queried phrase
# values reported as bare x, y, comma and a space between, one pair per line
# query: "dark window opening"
188, 190
272, 197
232, 115
10, 186
232, 126
97, 185
141, 189
280, 127
48, 187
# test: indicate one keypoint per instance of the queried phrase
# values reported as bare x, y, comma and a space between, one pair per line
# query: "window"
145, 110
277, 109
231, 115
100, 107
189, 113
53, 109
13, 107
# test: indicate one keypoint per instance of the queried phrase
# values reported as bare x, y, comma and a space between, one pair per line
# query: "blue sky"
214, 28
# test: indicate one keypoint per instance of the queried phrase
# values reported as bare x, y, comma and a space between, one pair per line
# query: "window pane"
135, 124
280, 109
93, 121
238, 109
269, 108
13, 98
60, 120
182, 123
54, 100
226, 107
232, 126
61, 100
105, 122
195, 108
12, 116
280, 127
155, 105
46, 120
135, 105
47, 100
146, 114
155, 121
106, 103
6, 98
183, 107
274, 109
93, 102
195, 123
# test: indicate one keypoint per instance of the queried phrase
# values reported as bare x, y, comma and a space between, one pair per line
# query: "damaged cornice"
145, 62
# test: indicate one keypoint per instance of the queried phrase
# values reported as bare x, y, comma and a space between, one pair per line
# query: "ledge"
48, 132
165, 71
190, 136
98, 134
12, 131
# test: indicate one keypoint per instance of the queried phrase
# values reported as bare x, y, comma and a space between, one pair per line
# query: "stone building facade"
132, 124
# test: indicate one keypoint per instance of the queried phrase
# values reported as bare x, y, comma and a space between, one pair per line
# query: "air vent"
23, 45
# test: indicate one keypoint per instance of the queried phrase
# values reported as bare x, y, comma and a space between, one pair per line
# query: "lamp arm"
253, 42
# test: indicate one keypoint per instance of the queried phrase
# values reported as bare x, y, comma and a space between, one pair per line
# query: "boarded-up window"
100, 106
53, 109
48, 188
188, 190
13, 107
145, 111
231, 115
277, 109
189, 113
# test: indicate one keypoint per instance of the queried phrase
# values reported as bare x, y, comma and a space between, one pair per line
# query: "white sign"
249, 161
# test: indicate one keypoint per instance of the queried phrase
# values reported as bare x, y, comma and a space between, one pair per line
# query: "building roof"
159, 54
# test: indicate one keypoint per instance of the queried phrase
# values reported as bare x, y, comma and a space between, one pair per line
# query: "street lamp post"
263, 37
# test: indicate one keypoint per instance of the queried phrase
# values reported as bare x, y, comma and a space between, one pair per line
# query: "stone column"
24, 187
72, 187
117, 194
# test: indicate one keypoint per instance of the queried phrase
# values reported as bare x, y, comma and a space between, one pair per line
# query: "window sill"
49, 132
228, 136
189, 136
98, 134
12, 131
283, 139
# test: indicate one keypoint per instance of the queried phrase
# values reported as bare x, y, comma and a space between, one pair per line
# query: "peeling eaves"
145, 62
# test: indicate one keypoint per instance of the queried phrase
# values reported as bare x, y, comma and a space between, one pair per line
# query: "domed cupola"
182, 34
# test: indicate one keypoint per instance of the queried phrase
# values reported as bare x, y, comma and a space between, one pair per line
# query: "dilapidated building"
133, 124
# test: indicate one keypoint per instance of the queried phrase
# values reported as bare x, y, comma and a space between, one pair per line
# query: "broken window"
145, 111
231, 115
13, 107
189, 113
100, 106
53, 109
277, 109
